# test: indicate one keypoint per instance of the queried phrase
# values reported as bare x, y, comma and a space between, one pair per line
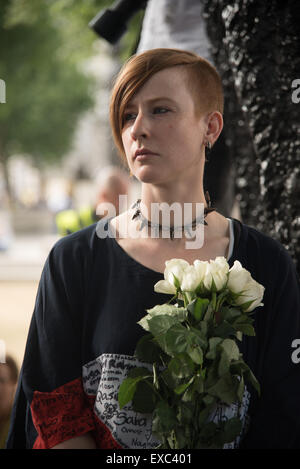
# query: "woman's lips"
144, 156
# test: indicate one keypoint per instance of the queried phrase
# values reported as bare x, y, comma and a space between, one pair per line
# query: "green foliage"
128, 388
43, 47
197, 366
46, 91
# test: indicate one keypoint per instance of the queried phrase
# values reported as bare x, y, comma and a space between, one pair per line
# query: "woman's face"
161, 118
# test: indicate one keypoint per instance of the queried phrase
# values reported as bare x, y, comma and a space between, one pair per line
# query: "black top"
90, 297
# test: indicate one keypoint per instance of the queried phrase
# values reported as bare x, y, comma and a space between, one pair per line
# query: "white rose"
238, 277
217, 271
163, 286
201, 267
191, 279
169, 284
252, 291
241, 281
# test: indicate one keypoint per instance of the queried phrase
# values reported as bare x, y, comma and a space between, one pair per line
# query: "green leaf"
172, 441
181, 366
189, 395
240, 389
242, 318
195, 345
224, 364
224, 330
212, 375
128, 386
144, 322
232, 429
221, 298
169, 379
224, 389
171, 310
244, 324
126, 391
183, 387
229, 352
213, 343
164, 418
139, 372
231, 349
155, 377
176, 339
176, 281
198, 385
159, 325
185, 414
209, 313
247, 304
198, 307
204, 414
195, 353
196, 336
203, 328
246, 329
229, 314
145, 398
209, 400
238, 367
213, 289
147, 350
208, 431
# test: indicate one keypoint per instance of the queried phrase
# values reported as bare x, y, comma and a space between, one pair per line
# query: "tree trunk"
256, 50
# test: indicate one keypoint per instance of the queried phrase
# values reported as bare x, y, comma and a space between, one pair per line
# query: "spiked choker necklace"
171, 229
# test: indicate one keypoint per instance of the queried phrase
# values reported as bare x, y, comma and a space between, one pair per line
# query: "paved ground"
20, 270
16, 306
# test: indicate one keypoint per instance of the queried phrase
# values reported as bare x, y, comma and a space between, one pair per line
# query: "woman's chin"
147, 175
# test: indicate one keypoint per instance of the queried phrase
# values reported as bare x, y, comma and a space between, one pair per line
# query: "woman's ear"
214, 126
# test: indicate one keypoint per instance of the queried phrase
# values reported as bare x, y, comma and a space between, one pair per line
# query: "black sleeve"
275, 419
50, 405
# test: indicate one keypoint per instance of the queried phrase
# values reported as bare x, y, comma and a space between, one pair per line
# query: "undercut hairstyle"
203, 81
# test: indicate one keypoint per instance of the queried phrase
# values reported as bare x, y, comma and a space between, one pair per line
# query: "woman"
166, 108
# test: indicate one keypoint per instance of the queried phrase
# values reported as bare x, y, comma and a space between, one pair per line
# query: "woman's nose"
139, 127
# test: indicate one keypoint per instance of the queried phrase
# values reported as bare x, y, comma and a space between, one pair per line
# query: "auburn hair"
203, 81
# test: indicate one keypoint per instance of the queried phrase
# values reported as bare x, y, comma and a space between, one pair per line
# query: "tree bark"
256, 49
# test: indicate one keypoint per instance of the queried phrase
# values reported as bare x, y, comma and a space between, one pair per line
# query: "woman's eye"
160, 110
128, 117
131, 116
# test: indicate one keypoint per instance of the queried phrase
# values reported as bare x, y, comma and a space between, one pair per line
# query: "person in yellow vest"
111, 182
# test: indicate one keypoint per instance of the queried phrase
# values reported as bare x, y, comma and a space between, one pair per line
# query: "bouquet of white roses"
192, 346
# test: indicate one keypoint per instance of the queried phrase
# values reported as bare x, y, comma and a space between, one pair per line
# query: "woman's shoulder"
83, 239
76, 248
261, 249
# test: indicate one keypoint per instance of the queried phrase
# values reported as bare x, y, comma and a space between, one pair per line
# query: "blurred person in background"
111, 182
9, 373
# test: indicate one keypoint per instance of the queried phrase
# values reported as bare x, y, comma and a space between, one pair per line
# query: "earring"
207, 150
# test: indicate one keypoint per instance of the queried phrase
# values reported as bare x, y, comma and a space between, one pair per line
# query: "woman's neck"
162, 206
